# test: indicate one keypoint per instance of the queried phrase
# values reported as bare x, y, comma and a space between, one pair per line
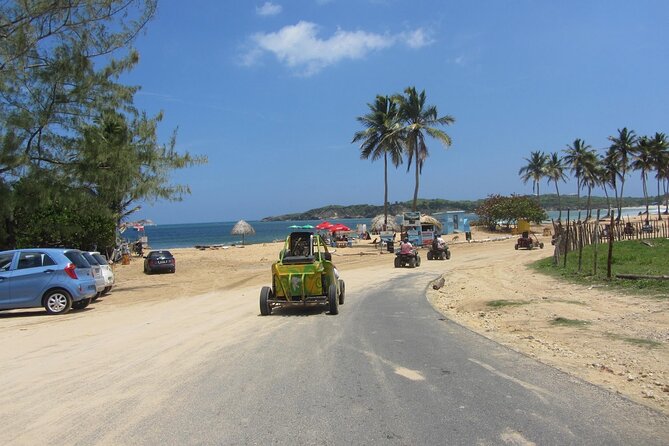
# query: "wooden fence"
575, 234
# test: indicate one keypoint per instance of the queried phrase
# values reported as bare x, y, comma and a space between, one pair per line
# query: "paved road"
387, 370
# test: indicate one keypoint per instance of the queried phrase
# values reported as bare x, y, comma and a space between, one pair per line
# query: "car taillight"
70, 270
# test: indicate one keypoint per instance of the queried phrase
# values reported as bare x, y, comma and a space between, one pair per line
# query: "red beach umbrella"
324, 225
339, 227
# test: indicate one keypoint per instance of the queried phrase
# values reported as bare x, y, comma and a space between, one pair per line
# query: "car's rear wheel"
265, 295
81, 304
57, 302
333, 299
342, 292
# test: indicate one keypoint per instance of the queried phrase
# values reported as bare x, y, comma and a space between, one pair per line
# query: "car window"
101, 259
34, 260
78, 260
90, 259
6, 260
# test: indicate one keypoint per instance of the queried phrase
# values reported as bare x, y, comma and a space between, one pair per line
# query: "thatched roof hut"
377, 223
242, 228
430, 220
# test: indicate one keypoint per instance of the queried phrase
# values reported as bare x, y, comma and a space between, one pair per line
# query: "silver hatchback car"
54, 278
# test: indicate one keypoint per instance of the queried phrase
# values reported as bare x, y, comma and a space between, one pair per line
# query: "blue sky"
269, 91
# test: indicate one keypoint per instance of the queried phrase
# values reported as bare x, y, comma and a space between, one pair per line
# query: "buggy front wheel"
265, 295
342, 292
333, 299
541, 245
448, 255
516, 247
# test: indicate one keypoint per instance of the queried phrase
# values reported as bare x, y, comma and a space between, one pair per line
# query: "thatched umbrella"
430, 220
242, 228
377, 224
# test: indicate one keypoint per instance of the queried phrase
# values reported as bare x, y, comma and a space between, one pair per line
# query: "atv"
412, 259
303, 276
437, 253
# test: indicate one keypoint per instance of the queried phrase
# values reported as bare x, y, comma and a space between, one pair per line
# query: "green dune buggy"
304, 275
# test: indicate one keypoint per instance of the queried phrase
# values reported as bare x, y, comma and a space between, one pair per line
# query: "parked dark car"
159, 262
56, 279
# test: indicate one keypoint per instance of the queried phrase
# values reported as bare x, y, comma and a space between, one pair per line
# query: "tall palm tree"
623, 144
660, 156
643, 161
534, 170
420, 119
555, 173
610, 172
381, 137
581, 159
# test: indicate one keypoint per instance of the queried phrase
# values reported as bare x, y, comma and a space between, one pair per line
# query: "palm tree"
419, 119
381, 137
582, 160
624, 146
610, 172
534, 170
660, 156
643, 161
555, 172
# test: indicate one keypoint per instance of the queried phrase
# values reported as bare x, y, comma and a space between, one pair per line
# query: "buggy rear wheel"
412, 263
265, 295
417, 260
448, 255
333, 299
516, 247
429, 255
541, 245
397, 262
342, 292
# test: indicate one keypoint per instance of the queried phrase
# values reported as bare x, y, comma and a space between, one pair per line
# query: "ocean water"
194, 234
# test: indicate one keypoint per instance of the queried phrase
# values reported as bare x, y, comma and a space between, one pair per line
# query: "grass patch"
636, 341
505, 303
564, 322
629, 257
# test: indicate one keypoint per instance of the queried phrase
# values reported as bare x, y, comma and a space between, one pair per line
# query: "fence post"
566, 240
608, 261
596, 242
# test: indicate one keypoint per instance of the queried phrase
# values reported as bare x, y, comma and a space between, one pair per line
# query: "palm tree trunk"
559, 202
659, 200
385, 191
415, 192
608, 200
645, 192
622, 187
588, 213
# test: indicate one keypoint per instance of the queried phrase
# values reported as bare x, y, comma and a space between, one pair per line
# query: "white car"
107, 271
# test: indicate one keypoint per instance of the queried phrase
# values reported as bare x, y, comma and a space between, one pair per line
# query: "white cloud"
300, 48
417, 39
269, 8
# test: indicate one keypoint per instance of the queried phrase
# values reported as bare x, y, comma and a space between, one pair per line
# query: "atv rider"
438, 244
406, 247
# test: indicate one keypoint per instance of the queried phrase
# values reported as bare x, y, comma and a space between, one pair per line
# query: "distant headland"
438, 205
